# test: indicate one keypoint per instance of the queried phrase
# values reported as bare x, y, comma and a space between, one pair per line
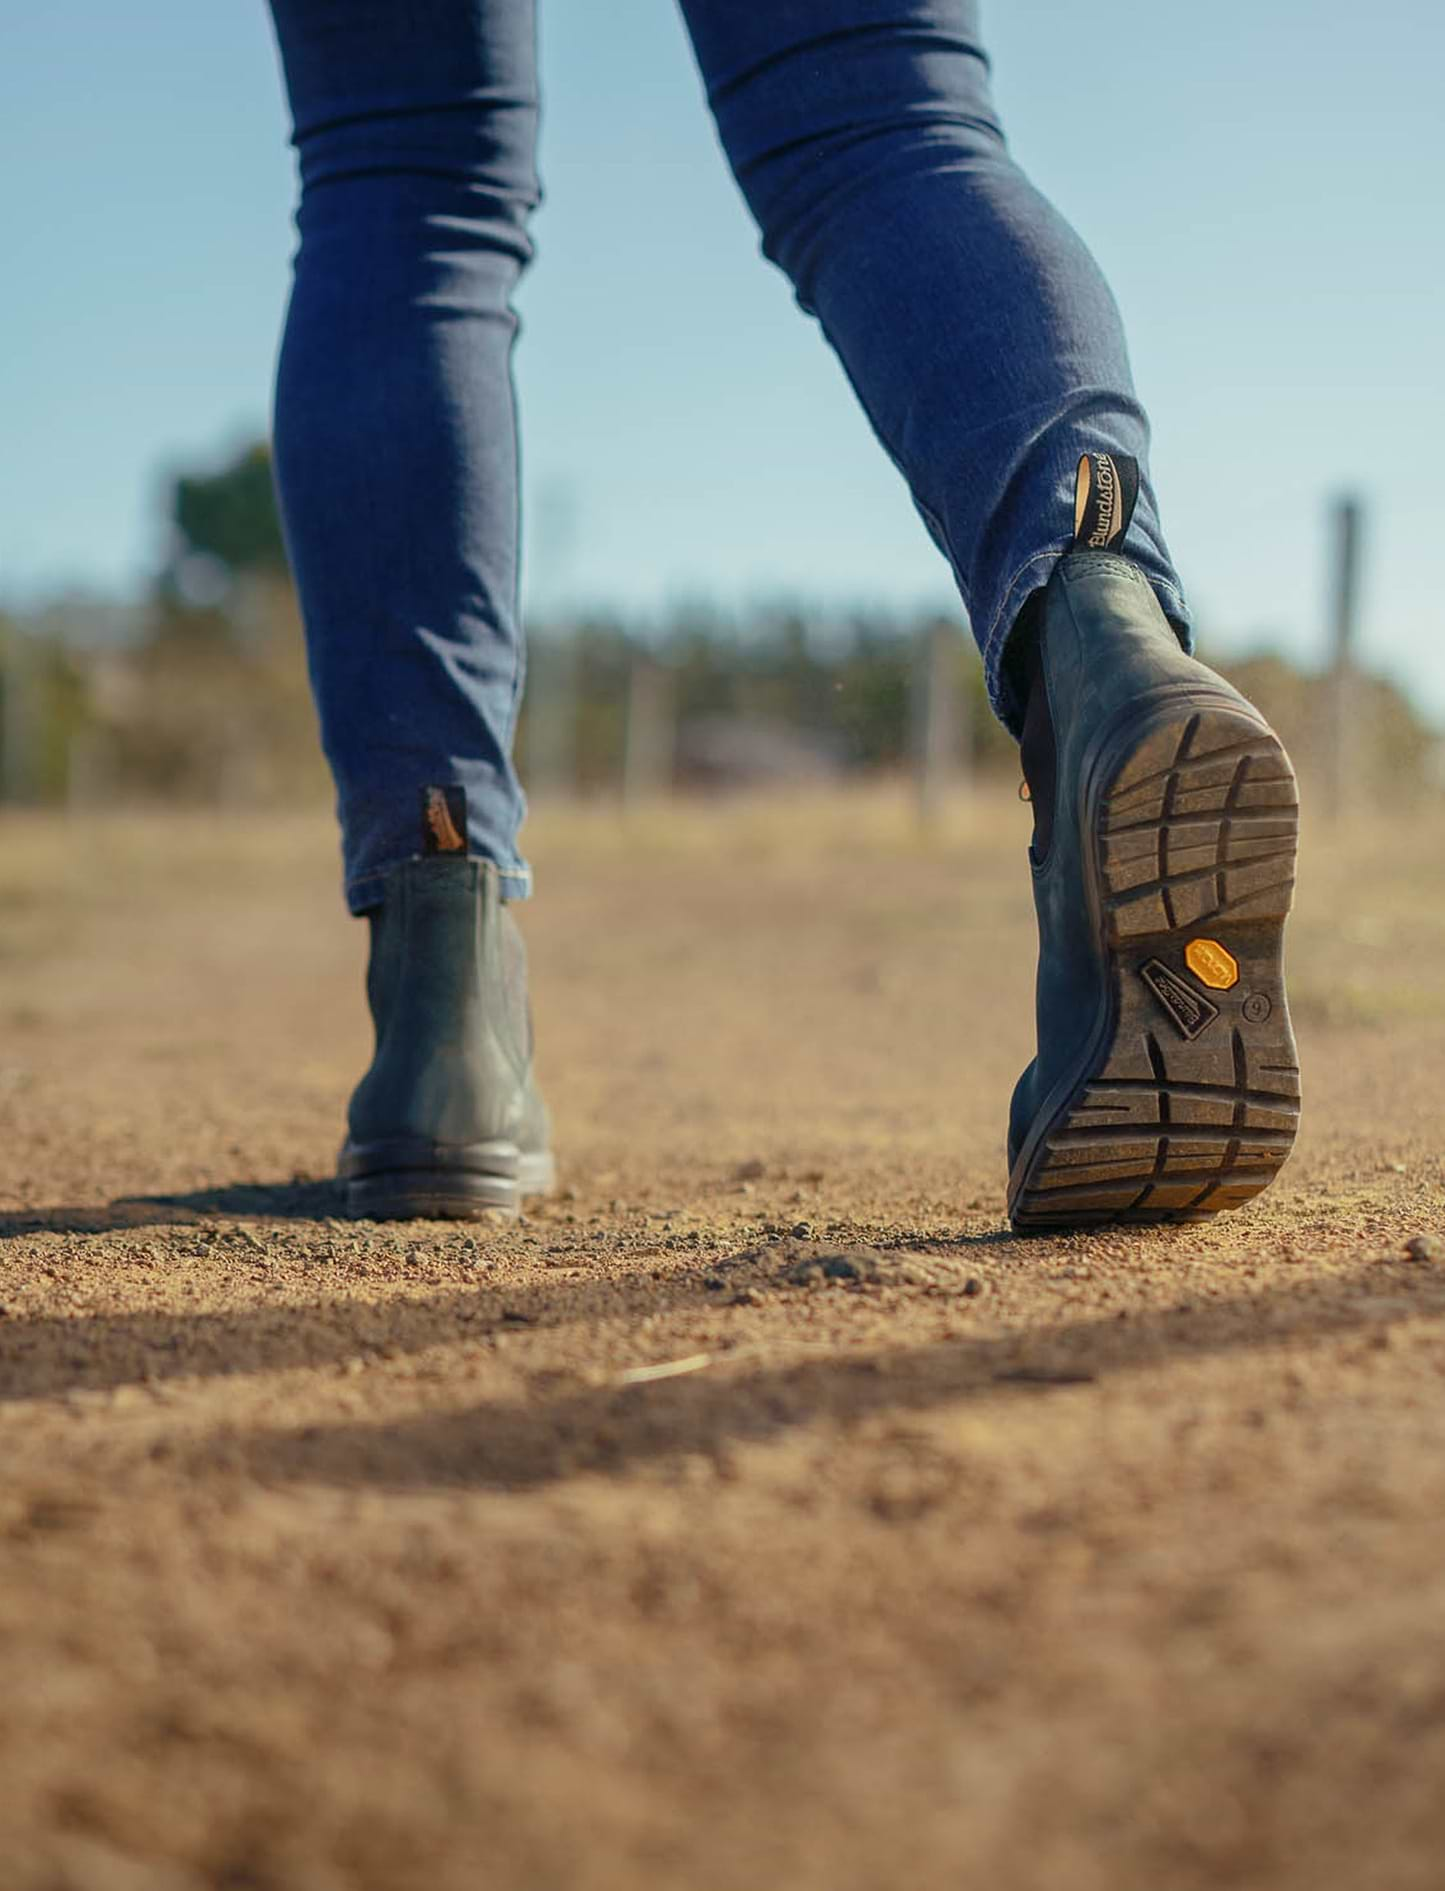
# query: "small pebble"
802, 1230
1425, 1247
972, 1287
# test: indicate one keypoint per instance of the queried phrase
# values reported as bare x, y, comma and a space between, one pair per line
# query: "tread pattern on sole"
1199, 824
1197, 829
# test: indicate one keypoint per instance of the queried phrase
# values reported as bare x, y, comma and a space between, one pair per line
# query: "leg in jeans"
988, 354
396, 454
396, 436
975, 327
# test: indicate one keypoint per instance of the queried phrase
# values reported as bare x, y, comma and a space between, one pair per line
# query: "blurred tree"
212, 704
226, 525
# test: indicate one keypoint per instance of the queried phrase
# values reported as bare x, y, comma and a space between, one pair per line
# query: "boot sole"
1186, 1100
402, 1181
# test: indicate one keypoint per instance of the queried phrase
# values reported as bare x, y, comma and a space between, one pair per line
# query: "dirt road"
337, 1557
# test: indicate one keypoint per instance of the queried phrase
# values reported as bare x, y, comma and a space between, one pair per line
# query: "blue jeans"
976, 329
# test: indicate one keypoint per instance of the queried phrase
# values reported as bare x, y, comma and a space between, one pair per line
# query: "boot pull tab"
1106, 487
444, 820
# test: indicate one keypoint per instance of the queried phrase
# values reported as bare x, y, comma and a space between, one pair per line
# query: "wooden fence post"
1346, 531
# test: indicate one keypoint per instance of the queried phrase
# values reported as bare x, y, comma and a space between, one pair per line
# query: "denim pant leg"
975, 327
395, 426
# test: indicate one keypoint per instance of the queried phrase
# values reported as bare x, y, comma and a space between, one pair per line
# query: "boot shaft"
446, 984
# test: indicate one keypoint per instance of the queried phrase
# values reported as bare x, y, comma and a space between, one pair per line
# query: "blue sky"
1273, 233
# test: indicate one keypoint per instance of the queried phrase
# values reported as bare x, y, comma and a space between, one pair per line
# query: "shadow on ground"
301, 1199
567, 1424
48, 1356
522, 1444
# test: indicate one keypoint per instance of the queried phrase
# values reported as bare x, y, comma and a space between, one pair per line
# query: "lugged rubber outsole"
429, 1190
1187, 1100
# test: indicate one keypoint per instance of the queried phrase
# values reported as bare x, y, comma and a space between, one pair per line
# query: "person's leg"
988, 353
395, 430
396, 456
976, 329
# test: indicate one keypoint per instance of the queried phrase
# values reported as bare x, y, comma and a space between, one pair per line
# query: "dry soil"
341, 1557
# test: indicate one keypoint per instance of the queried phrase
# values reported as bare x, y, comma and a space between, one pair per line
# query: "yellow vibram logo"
1211, 964
443, 827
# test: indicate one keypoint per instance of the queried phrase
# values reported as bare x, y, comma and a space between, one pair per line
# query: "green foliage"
231, 515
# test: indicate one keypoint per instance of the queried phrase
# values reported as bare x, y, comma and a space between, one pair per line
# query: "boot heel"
430, 1198
404, 1180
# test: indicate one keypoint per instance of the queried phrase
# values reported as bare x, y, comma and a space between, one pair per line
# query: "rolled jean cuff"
1032, 576
514, 881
